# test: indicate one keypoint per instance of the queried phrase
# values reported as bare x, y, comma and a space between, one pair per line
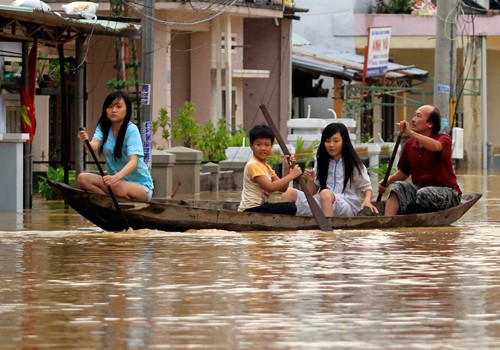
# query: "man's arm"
397, 176
426, 141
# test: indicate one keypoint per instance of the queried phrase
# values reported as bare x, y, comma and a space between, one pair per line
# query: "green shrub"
185, 128
274, 158
214, 142
395, 6
163, 123
238, 137
380, 170
56, 175
305, 153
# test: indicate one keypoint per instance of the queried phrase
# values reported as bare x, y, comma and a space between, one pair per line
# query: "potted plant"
42, 72
54, 71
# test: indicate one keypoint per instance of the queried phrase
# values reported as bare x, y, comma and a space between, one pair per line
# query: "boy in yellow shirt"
259, 179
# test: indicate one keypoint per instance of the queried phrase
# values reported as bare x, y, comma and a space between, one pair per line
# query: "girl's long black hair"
349, 155
106, 123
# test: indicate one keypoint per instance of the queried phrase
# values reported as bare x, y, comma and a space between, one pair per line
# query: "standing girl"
120, 141
342, 179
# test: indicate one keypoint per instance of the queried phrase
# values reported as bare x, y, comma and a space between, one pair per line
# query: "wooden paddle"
391, 161
110, 191
176, 189
315, 209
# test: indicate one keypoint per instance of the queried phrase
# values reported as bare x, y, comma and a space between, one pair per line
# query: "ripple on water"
367, 289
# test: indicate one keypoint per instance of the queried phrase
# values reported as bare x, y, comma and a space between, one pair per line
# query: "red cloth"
429, 168
28, 116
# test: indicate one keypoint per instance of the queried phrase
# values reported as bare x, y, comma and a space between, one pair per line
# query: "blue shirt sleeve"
133, 141
98, 133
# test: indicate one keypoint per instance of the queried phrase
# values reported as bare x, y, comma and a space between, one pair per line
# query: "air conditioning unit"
457, 143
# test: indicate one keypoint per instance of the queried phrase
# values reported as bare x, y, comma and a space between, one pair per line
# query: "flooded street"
66, 284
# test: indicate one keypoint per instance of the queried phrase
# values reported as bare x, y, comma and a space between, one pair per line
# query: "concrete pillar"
373, 154
214, 170
377, 119
162, 172
472, 107
237, 167
373, 159
445, 60
11, 181
187, 169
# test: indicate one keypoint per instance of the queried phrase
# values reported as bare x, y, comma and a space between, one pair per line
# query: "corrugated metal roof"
346, 66
25, 23
325, 68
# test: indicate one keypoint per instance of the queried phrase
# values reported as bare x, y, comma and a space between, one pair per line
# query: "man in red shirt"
426, 157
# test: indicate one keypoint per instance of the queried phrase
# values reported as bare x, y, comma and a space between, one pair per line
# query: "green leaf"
214, 141
56, 175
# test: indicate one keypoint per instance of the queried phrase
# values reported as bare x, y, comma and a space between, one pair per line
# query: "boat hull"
183, 215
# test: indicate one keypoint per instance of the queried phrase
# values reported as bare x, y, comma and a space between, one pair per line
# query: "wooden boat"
182, 215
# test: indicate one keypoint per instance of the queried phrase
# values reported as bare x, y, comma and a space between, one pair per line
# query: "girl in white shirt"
339, 178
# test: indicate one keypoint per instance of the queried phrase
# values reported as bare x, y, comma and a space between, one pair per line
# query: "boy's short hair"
262, 132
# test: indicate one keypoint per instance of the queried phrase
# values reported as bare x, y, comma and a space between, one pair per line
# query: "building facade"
345, 24
192, 63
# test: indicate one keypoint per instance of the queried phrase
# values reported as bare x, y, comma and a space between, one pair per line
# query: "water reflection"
69, 285
45, 215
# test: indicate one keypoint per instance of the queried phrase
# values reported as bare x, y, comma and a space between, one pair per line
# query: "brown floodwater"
65, 284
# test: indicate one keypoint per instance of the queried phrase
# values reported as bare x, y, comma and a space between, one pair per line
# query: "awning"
18, 23
315, 66
346, 66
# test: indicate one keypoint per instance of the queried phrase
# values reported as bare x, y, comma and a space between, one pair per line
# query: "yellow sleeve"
255, 169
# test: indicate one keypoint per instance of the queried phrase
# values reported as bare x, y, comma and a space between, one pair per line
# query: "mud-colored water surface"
66, 284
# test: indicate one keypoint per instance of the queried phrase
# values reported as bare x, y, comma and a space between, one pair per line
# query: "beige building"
413, 44
195, 59
478, 54
191, 62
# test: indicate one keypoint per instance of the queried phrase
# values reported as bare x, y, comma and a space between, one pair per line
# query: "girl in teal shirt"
119, 140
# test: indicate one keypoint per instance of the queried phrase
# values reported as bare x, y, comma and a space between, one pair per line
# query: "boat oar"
315, 209
391, 161
176, 189
110, 191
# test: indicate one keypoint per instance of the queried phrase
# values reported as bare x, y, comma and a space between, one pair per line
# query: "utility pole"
79, 102
445, 62
28, 146
147, 79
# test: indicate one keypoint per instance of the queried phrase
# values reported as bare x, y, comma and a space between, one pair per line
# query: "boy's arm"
277, 184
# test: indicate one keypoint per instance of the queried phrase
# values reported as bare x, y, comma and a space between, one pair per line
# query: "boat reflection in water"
68, 284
